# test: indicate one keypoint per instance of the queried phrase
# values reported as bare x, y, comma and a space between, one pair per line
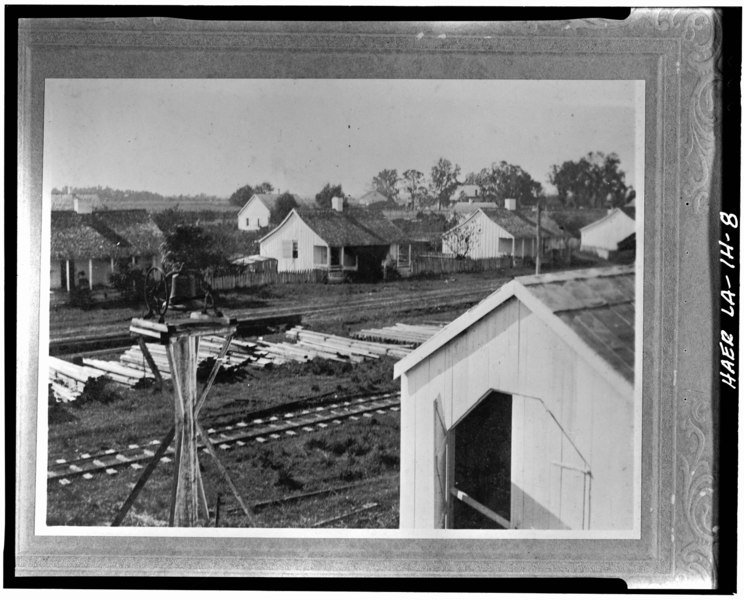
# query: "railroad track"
227, 436
423, 299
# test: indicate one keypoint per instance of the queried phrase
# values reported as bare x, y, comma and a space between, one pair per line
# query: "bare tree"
463, 239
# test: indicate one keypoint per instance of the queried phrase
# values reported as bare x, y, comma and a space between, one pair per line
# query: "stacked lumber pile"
342, 348
209, 347
400, 333
68, 379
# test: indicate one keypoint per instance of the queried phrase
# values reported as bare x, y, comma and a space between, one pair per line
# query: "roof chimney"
337, 204
510, 203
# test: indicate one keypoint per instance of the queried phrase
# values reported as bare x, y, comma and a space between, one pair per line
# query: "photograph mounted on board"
343, 304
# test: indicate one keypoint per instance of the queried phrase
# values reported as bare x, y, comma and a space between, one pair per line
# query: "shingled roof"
104, 234
593, 309
352, 227
75, 236
135, 226
270, 200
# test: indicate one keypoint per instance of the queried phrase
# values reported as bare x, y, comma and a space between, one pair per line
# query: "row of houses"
86, 248
338, 238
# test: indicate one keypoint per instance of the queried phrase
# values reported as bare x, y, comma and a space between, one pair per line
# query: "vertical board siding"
294, 229
513, 351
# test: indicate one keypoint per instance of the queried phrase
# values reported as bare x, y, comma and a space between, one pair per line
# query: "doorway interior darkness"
482, 463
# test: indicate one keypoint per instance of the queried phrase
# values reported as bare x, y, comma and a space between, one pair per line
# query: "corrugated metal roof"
352, 227
592, 309
599, 305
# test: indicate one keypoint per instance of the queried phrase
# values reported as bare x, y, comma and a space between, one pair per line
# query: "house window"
247, 221
320, 255
295, 249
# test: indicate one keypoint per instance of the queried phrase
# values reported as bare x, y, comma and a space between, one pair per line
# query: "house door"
482, 443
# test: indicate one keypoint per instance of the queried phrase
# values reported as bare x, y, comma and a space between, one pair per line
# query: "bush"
130, 281
101, 390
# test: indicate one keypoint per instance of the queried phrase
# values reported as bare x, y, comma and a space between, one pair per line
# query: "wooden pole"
539, 240
67, 273
90, 273
150, 362
188, 493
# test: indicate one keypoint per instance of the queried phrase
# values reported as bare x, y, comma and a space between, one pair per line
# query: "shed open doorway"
482, 443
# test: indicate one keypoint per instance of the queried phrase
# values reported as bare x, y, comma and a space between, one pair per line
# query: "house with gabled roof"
256, 213
603, 236
494, 232
89, 247
338, 239
521, 413
79, 203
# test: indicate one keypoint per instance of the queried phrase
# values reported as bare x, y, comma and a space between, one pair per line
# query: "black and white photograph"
388, 299
410, 304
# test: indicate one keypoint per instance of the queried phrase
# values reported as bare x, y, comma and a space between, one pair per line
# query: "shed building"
520, 413
602, 236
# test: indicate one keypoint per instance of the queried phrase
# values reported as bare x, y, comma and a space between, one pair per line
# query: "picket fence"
420, 265
250, 279
435, 264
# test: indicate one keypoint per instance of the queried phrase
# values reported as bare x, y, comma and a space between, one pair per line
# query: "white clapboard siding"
605, 233
490, 240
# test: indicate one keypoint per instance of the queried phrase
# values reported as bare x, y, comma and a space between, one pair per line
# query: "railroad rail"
70, 340
227, 436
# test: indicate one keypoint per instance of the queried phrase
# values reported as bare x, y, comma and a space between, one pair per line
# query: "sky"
212, 136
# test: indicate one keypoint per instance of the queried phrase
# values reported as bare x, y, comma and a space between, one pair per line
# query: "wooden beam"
159, 453
225, 474
150, 362
67, 273
90, 273
484, 510
182, 353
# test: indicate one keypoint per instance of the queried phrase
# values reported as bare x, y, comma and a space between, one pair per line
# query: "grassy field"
361, 453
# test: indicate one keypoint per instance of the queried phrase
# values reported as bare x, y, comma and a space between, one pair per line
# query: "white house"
520, 413
256, 213
337, 239
494, 232
602, 236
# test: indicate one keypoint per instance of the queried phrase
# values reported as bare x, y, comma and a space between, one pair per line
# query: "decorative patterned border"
687, 44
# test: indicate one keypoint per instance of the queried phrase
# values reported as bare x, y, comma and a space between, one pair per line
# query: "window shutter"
286, 248
441, 438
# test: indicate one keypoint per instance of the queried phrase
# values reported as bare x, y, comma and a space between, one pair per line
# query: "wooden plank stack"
68, 379
342, 347
400, 333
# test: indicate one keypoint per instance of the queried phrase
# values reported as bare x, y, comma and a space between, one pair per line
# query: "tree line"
595, 180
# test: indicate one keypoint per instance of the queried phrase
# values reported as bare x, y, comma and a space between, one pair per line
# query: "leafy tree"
594, 180
503, 180
192, 247
324, 196
385, 183
444, 181
284, 205
243, 194
413, 184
